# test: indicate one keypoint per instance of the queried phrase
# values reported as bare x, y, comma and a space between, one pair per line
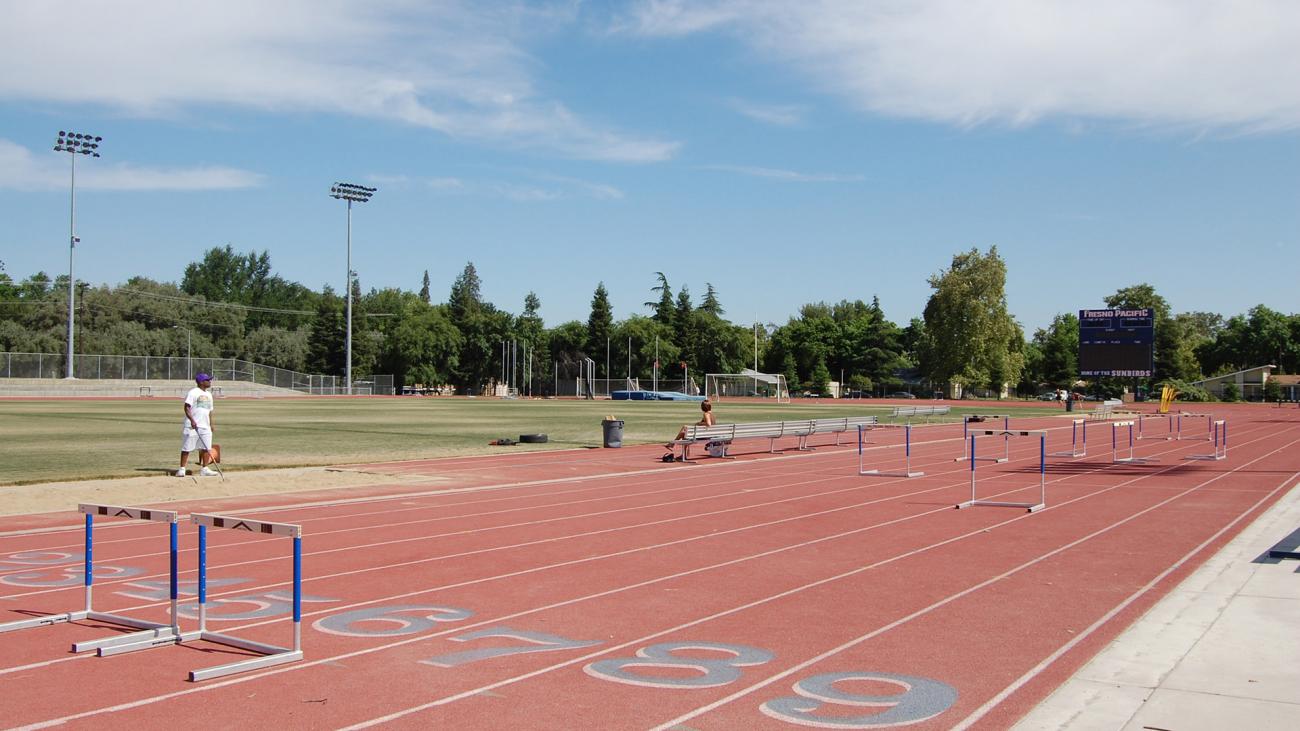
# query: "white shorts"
190, 439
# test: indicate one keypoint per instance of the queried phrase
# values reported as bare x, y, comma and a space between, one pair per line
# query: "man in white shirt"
197, 430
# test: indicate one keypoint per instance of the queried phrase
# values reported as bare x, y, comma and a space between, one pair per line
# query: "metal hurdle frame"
1114, 445
155, 631
965, 435
1042, 471
271, 654
907, 454
1078, 447
1142, 419
1209, 424
1220, 443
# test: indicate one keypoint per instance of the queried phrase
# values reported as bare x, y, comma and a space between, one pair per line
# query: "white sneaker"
180, 472
205, 472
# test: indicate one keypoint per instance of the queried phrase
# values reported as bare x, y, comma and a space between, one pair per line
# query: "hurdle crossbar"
1220, 443
1142, 420
1114, 445
1078, 440
1209, 424
164, 632
271, 654
907, 456
1042, 471
966, 421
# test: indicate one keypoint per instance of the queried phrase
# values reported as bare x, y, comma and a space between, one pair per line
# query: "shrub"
1231, 392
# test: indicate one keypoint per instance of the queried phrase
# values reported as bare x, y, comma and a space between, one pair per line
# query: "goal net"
747, 384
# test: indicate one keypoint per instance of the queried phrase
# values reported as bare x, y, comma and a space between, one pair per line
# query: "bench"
833, 426
926, 411
770, 430
1106, 409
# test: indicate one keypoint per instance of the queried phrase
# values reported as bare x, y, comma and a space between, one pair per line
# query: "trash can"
1069, 404
613, 429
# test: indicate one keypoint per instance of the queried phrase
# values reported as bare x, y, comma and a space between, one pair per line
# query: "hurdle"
1220, 443
907, 454
1114, 445
164, 633
1209, 424
965, 435
271, 654
1142, 419
1078, 440
1042, 471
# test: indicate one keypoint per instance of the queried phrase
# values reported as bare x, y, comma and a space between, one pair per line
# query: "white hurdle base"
1220, 443
271, 655
907, 453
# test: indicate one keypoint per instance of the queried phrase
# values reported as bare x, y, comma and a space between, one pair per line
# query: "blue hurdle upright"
1209, 425
1078, 440
1042, 471
907, 455
1220, 443
271, 654
1142, 420
1115, 448
154, 631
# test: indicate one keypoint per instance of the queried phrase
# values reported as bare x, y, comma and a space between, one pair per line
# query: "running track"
607, 590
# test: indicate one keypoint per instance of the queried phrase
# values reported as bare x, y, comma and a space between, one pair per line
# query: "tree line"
230, 304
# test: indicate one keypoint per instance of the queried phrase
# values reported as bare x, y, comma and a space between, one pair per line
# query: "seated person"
705, 420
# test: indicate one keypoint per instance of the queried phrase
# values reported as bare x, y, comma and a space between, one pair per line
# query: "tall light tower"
352, 194
74, 143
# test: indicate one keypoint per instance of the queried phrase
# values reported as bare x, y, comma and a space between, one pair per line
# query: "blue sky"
784, 152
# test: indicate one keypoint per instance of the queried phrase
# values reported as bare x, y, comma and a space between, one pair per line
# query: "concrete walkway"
1221, 652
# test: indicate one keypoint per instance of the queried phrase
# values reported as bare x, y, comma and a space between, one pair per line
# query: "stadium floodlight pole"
74, 143
352, 194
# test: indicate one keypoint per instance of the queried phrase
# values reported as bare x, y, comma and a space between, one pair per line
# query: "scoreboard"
1117, 342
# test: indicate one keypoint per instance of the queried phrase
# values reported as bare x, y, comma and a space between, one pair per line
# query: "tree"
1057, 351
424, 288
970, 338
532, 332
600, 323
663, 307
711, 304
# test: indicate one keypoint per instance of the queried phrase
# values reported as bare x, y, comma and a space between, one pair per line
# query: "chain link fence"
150, 367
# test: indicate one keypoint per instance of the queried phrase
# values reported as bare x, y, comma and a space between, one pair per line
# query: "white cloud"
782, 115
1225, 65
20, 169
453, 66
789, 176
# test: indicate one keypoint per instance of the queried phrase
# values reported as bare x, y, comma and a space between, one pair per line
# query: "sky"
783, 152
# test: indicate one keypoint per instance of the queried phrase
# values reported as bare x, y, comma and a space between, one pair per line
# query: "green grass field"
67, 440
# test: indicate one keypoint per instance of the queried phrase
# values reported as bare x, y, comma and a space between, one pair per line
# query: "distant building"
1250, 383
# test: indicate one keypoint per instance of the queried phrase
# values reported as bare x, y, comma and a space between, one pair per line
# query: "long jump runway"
775, 591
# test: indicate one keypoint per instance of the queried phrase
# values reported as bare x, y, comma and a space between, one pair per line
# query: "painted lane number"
535, 642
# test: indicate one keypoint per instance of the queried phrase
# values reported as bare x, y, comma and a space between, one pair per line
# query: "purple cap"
200, 377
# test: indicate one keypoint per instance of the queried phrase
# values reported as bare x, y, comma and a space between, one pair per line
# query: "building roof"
1262, 369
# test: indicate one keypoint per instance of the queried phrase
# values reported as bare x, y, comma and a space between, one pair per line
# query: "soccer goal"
749, 384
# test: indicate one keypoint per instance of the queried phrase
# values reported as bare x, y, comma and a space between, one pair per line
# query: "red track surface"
654, 595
